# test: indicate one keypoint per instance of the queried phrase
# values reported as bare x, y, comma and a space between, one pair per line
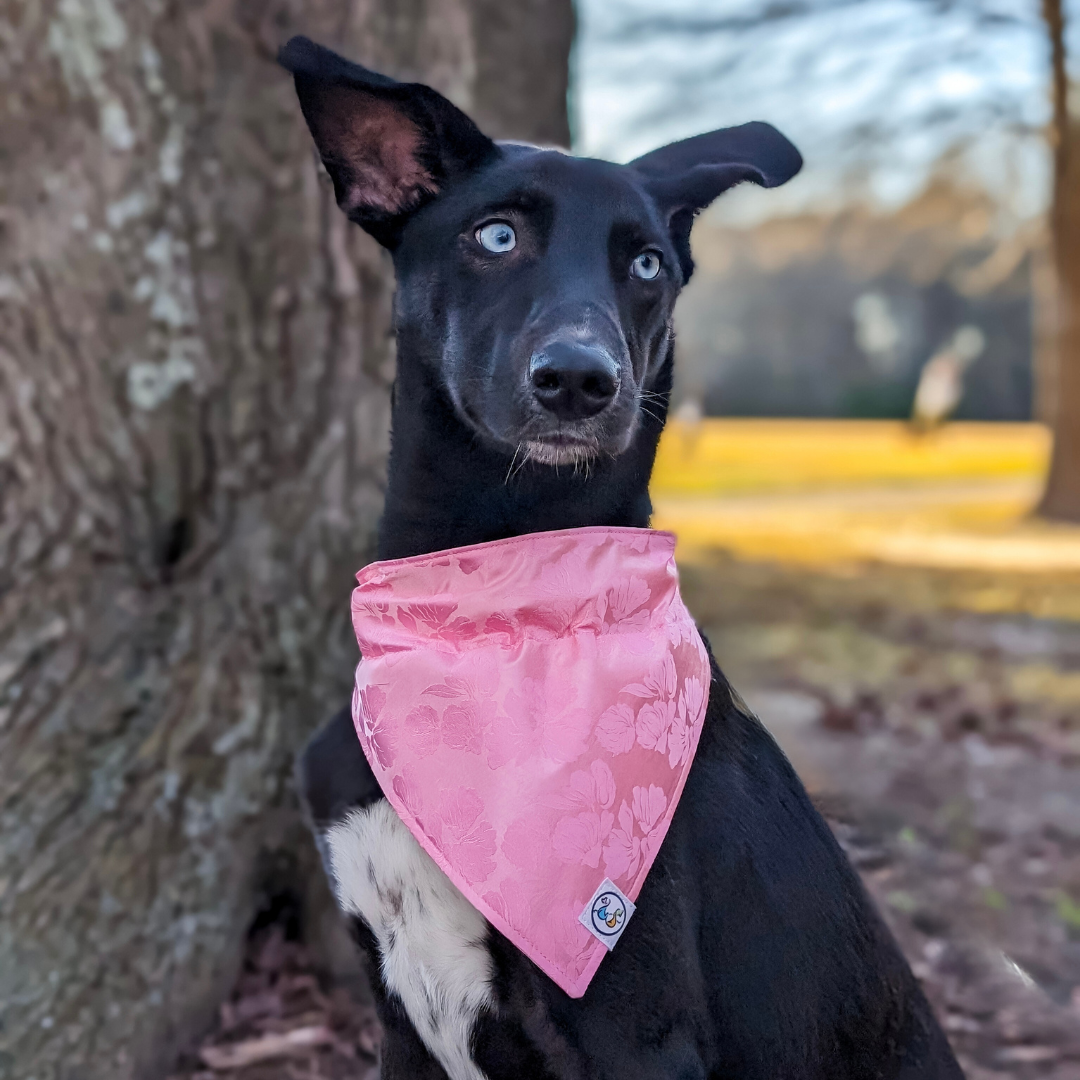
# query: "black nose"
573, 381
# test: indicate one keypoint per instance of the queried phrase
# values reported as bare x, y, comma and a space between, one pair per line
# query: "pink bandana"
531, 708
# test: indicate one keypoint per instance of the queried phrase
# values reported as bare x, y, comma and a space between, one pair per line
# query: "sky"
873, 92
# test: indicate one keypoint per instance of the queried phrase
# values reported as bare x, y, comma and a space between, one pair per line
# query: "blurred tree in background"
1062, 497
927, 191
194, 371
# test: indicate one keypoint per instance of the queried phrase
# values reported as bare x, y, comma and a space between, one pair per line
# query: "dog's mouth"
561, 449
576, 444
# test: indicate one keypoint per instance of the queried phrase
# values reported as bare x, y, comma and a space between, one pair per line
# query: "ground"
944, 747
912, 639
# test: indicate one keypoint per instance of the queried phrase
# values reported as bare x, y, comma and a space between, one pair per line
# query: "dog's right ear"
389, 147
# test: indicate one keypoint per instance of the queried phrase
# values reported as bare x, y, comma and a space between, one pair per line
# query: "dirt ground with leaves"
936, 721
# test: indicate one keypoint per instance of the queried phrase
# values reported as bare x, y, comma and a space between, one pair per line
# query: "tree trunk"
194, 370
1062, 496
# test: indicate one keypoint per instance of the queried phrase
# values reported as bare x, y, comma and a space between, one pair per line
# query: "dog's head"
537, 286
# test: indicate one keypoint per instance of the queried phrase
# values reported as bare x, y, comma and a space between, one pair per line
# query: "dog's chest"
433, 954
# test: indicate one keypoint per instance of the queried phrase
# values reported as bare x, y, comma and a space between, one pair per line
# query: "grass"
825, 492
717, 457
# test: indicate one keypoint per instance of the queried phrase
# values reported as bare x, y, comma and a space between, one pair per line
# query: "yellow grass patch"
716, 457
821, 492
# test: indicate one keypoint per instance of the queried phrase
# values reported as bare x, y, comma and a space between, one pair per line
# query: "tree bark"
195, 359
1062, 496
520, 88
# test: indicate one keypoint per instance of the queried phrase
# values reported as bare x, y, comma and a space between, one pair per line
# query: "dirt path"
944, 746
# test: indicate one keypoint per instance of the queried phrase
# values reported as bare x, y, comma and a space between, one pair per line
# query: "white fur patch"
431, 939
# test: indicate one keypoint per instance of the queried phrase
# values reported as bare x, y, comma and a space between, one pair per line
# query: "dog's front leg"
429, 960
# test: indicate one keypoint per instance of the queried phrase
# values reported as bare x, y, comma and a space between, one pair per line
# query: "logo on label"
606, 914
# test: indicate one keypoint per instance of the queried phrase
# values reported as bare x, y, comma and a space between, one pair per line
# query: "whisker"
510, 471
525, 460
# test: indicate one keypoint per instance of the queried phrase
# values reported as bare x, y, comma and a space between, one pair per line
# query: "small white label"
607, 913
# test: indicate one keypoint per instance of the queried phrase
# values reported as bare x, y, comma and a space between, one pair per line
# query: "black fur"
755, 953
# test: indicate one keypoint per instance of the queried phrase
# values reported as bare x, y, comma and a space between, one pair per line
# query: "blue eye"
498, 237
646, 266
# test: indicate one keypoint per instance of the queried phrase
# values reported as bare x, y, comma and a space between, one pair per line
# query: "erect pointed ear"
695, 171
389, 147
684, 177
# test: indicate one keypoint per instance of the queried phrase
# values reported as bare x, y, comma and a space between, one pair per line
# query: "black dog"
535, 294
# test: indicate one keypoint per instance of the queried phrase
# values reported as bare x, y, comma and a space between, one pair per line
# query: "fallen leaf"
250, 1051
1028, 1055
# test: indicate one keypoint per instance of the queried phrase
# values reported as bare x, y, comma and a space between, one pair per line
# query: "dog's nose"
573, 381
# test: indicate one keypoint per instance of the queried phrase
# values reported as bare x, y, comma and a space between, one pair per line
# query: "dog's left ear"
684, 177
389, 147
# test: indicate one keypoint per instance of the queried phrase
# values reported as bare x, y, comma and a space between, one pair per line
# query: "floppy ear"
389, 147
684, 177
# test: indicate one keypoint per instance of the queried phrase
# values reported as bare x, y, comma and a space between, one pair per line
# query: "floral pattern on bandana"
531, 708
